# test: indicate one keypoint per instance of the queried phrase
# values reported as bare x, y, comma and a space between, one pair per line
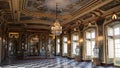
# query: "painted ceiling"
49, 6
41, 14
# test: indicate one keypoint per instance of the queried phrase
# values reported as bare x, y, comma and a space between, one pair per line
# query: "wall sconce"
68, 42
81, 40
100, 38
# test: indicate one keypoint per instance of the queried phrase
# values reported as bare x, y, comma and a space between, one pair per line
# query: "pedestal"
96, 61
77, 58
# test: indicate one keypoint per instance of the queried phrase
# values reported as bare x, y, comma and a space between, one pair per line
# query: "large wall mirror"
13, 44
39, 45
33, 45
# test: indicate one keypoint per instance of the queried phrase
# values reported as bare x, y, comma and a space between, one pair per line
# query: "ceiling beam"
14, 5
37, 22
37, 27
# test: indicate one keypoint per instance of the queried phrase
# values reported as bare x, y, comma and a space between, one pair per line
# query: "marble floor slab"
58, 62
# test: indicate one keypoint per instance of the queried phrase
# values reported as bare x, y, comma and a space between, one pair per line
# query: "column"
69, 43
100, 41
61, 45
81, 45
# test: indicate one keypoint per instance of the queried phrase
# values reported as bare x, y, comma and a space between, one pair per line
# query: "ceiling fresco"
41, 14
24, 17
49, 6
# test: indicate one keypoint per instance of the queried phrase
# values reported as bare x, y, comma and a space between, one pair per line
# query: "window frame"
89, 29
74, 41
63, 49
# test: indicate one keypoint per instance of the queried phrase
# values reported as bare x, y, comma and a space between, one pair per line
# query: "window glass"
87, 35
117, 47
65, 48
92, 34
65, 39
90, 42
110, 31
117, 31
113, 40
110, 48
64, 45
75, 38
58, 46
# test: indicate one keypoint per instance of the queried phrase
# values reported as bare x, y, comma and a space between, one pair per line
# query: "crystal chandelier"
56, 29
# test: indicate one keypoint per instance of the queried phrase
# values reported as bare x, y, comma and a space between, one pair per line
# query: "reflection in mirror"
51, 47
33, 42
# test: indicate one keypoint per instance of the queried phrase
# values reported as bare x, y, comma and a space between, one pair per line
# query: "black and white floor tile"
58, 62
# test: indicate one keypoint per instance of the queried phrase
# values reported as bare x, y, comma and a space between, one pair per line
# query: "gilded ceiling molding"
14, 6
96, 4
40, 27
87, 6
39, 21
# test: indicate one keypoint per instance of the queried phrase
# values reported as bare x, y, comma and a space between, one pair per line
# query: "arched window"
89, 43
75, 43
113, 42
57, 46
65, 47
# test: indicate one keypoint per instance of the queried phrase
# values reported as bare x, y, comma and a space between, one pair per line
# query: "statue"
96, 52
77, 50
42, 51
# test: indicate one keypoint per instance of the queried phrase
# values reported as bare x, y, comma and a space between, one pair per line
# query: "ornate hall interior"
59, 33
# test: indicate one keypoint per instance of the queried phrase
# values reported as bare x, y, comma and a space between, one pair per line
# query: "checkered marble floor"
58, 62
